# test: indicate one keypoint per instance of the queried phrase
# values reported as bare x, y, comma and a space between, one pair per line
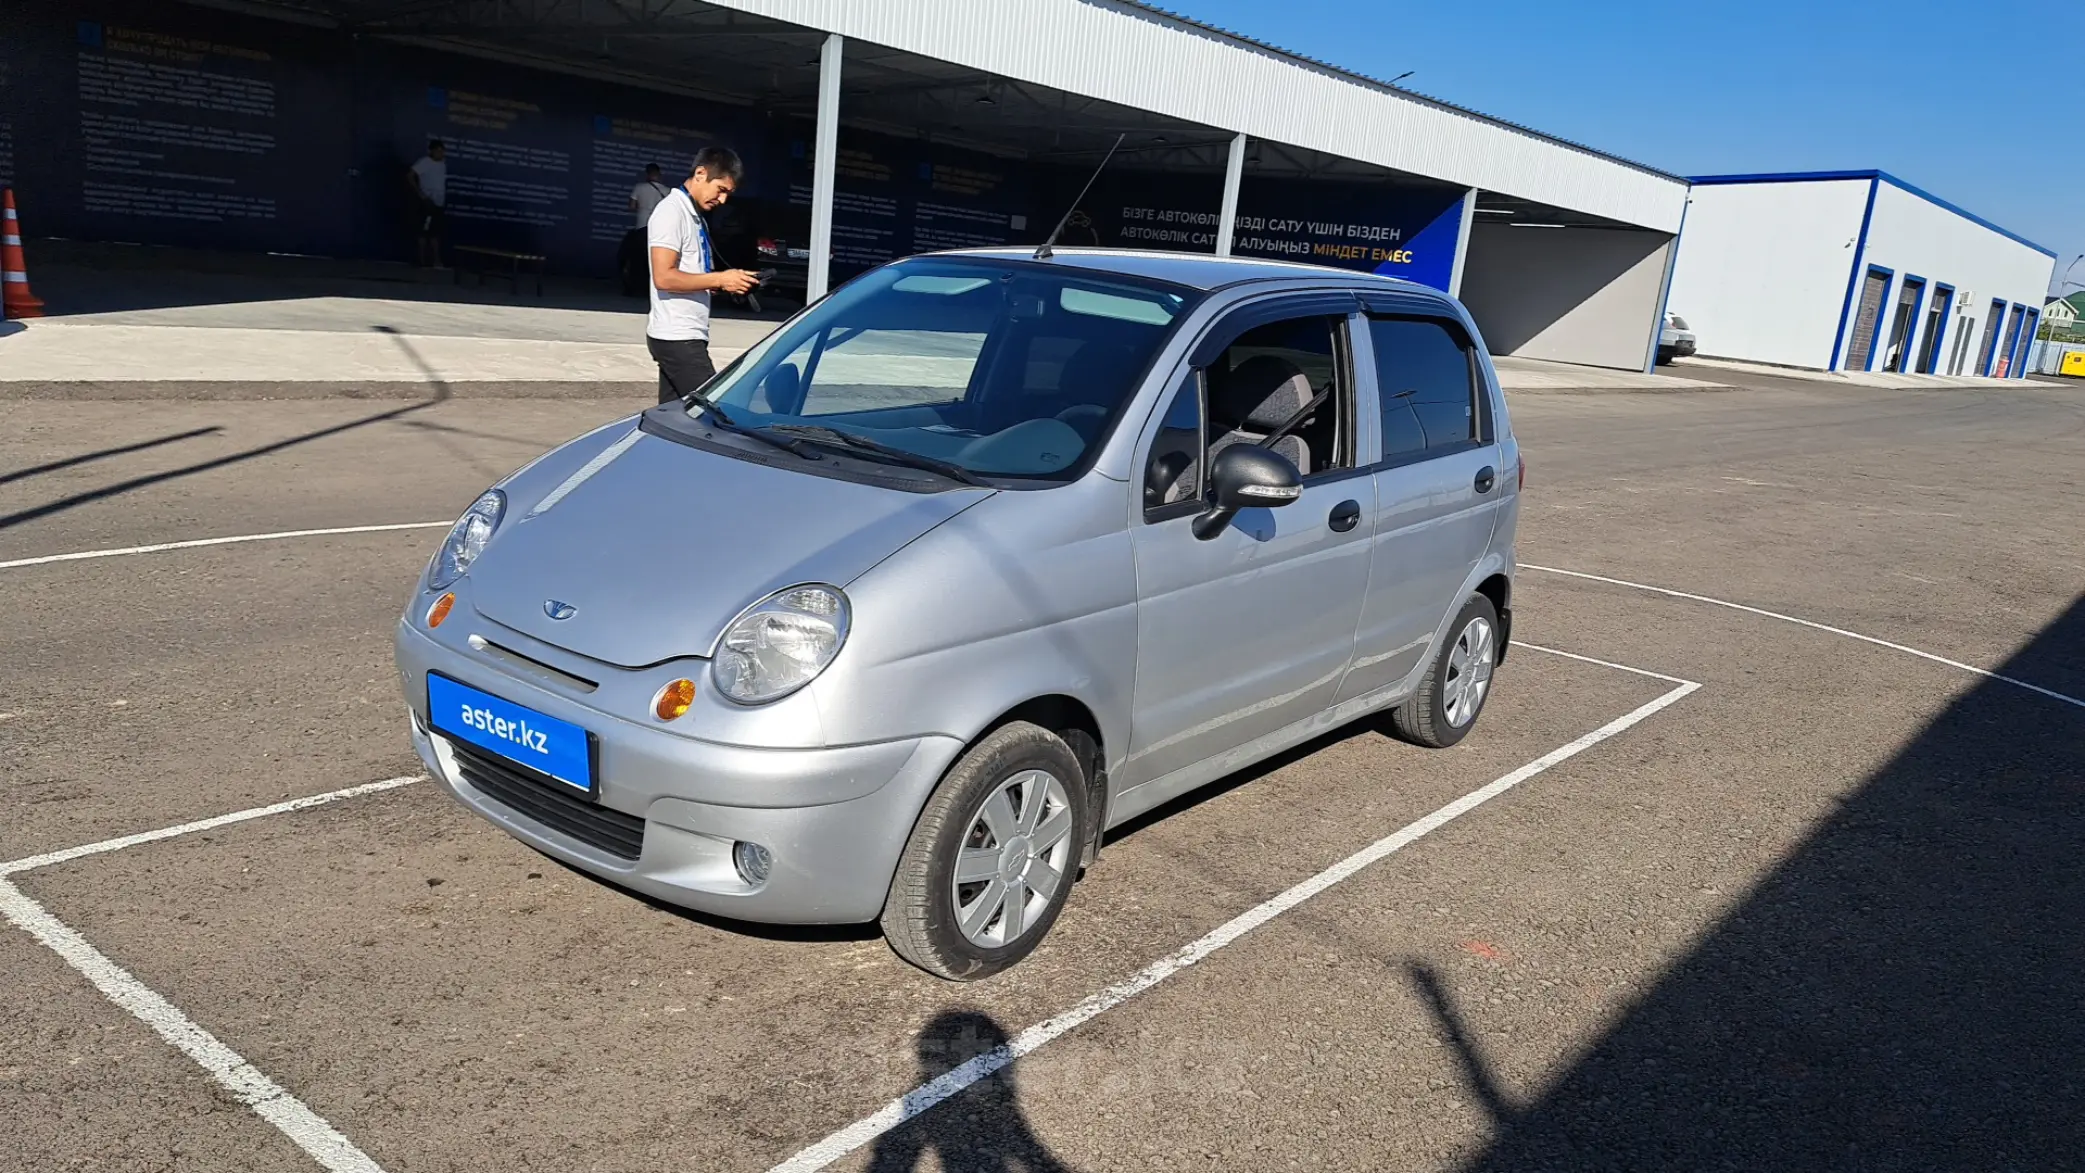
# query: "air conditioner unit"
1965, 303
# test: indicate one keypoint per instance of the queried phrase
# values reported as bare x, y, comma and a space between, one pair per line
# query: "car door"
1438, 485
1250, 631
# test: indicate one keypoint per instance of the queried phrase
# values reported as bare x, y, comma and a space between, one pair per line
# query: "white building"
1856, 271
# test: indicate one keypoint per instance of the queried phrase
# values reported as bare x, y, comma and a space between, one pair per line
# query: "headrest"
1262, 393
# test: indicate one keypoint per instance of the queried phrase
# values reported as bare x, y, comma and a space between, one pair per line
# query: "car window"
1282, 385
1424, 377
1173, 472
1005, 369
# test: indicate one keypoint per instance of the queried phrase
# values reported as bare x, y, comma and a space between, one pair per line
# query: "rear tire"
1010, 811
1451, 695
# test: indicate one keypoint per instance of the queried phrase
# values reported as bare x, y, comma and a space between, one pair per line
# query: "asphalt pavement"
1819, 913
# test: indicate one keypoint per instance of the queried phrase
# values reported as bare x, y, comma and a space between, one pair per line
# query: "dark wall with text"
160, 123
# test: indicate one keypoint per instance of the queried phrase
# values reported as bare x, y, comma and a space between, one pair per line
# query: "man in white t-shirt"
630, 262
429, 179
684, 274
645, 197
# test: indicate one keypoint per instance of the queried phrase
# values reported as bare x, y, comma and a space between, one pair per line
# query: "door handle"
1485, 477
1345, 516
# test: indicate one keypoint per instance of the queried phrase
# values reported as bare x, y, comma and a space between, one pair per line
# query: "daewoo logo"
558, 610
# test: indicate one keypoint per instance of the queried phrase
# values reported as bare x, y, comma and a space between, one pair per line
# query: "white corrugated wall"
1763, 268
1122, 54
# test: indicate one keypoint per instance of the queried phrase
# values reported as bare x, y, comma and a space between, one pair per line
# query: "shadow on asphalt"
989, 1133
23, 474
1906, 991
442, 393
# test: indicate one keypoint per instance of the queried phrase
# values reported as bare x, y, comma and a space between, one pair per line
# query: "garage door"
1872, 293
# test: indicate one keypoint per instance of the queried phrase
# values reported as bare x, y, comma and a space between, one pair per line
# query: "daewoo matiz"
969, 562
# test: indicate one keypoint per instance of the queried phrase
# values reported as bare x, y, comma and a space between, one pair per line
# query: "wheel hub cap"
1014, 860
1015, 857
1470, 662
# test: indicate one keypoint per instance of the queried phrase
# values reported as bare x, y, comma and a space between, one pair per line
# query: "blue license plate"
552, 747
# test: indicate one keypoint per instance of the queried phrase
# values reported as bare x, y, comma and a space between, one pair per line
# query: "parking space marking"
1986, 673
334, 1152
305, 1128
236, 539
927, 1095
260, 812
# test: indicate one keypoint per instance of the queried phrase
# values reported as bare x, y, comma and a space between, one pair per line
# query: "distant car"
1675, 340
757, 234
975, 559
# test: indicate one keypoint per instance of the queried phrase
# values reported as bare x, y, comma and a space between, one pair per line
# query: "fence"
2047, 357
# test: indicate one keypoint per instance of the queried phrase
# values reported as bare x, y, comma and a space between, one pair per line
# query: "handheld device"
764, 276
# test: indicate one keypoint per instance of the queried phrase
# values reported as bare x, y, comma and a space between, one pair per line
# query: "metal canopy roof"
997, 77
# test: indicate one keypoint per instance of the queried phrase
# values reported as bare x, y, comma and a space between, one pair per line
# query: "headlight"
780, 644
466, 540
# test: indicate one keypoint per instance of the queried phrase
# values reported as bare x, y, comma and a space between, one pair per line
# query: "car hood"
660, 548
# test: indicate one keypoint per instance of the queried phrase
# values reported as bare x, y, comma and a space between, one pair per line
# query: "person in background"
429, 179
644, 199
684, 274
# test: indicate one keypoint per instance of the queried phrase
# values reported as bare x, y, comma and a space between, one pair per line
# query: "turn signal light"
440, 610
674, 700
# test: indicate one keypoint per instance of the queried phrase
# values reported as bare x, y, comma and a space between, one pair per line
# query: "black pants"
684, 366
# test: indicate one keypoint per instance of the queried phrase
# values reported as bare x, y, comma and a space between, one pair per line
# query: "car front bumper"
834, 819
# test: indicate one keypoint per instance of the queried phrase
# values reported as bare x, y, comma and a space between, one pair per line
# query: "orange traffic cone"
15, 299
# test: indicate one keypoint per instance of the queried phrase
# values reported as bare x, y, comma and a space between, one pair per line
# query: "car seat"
1247, 405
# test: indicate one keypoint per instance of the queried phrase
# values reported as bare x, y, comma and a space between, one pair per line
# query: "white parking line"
194, 543
334, 1152
1521, 643
926, 1096
1987, 674
280, 808
306, 1128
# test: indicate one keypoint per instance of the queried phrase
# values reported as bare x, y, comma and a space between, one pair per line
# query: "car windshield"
1008, 370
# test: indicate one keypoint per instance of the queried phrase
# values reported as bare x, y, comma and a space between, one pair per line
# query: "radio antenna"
1042, 251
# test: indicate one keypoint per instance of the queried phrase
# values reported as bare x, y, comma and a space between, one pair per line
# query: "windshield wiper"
819, 434
716, 414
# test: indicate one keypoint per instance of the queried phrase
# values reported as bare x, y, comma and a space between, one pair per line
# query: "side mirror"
1244, 477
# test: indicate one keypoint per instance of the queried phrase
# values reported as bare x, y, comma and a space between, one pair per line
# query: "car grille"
549, 802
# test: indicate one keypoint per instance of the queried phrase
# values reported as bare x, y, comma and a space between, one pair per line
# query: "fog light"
440, 610
753, 862
673, 700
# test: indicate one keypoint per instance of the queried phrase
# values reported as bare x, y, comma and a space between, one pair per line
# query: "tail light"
769, 247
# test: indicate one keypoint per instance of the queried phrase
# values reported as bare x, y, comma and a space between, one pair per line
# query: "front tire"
1457, 682
992, 858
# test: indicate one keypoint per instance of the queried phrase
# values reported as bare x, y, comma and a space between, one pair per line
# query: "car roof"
1202, 271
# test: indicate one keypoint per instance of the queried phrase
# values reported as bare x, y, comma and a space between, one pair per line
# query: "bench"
489, 261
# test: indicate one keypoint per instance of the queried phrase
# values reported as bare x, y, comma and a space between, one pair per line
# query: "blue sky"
1967, 101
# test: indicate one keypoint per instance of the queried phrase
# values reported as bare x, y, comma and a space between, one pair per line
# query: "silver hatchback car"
967, 563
